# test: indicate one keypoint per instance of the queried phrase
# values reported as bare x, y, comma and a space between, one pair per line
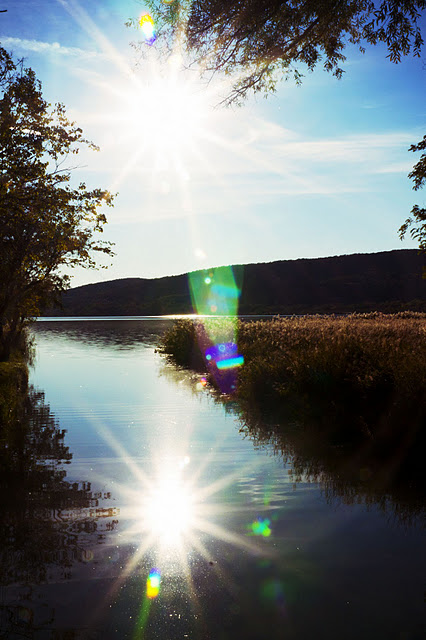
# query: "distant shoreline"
388, 282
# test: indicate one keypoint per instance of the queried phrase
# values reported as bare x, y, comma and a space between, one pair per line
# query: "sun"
159, 118
165, 114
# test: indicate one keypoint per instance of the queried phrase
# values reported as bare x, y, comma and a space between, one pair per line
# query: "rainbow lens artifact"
146, 24
153, 584
224, 355
216, 292
260, 527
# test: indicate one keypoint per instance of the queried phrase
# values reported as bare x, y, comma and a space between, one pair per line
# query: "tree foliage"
417, 221
260, 41
46, 223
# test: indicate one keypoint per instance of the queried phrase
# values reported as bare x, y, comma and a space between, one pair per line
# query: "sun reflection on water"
176, 521
167, 511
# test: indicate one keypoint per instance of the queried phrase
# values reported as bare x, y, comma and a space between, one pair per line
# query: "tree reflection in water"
382, 467
47, 523
381, 464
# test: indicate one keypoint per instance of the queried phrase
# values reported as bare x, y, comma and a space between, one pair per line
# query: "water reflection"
176, 532
167, 512
212, 542
48, 524
386, 471
122, 334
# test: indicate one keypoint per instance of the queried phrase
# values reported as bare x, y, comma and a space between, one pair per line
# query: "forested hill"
388, 281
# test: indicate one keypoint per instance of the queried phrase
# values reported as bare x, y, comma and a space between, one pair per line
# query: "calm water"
129, 465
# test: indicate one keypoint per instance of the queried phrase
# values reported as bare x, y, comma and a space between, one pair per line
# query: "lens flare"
260, 527
153, 584
224, 356
215, 288
202, 384
147, 27
230, 363
217, 291
272, 595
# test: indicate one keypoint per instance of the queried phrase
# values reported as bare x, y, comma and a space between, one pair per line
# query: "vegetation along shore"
361, 372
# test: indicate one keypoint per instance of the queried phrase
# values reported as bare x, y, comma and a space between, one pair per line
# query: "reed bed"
366, 363
343, 398
363, 352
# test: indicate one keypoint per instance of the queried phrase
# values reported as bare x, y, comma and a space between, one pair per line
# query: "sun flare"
160, 118
171, 516
168, 512
171, 512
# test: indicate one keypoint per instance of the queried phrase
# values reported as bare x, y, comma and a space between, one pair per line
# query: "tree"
418, 220
258, 42
45, 222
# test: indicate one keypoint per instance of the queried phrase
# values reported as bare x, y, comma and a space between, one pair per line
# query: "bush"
181, 345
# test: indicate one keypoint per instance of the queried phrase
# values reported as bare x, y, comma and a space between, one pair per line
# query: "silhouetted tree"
259, 41
418, 220
42, 514
45, 223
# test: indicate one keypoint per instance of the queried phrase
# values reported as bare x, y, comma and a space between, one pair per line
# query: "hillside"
387, 281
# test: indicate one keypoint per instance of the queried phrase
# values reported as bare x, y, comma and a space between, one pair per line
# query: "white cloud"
38, 46
345, 149
272, 166
396, 167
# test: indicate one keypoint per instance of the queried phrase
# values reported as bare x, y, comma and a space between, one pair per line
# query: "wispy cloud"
396, 167
85, 22
352, 148
37, 46
373, 105
252, 161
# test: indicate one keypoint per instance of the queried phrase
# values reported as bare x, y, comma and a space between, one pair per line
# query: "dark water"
121, 464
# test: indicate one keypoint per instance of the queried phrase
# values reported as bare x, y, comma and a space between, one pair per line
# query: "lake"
142, 507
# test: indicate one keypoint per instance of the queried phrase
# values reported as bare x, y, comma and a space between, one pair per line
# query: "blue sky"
316, 170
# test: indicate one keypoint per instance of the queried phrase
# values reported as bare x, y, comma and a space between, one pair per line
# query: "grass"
358, 368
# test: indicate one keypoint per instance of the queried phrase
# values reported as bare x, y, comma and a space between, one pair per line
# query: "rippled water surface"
146, 510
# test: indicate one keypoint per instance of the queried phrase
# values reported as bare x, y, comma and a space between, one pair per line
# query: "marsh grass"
359, 367
343, 398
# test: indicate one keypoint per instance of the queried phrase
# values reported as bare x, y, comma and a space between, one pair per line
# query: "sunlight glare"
168, 511
165, 115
